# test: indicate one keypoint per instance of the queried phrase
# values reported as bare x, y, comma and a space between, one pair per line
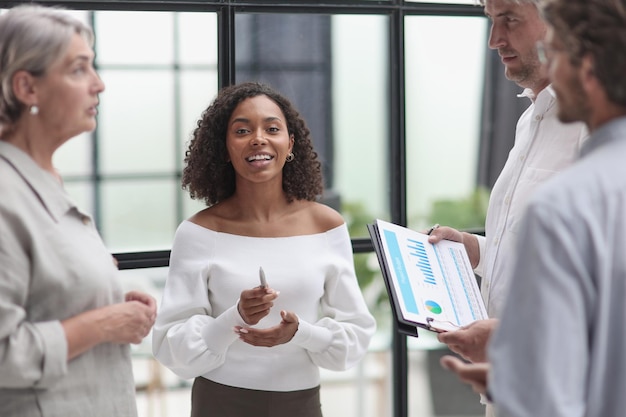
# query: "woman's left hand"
255, 304
271, 336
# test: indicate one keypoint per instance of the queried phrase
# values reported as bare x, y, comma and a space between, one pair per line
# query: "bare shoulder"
324, 217
211, 217
200, 218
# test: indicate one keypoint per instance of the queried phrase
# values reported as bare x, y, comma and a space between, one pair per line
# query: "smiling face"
258, 140
515, 30
67, 95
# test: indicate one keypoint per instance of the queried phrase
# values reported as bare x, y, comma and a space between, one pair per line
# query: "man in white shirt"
543, 146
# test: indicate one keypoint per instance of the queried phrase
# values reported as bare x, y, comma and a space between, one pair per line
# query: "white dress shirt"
543, 146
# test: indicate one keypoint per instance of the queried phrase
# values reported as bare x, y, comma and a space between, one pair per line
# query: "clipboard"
432, 287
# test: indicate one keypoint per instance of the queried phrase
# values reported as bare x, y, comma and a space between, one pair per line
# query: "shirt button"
496, 240
507, 200
538, 117
522, 157
86, 220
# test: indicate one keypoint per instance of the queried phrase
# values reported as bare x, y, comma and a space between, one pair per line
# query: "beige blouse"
53, 265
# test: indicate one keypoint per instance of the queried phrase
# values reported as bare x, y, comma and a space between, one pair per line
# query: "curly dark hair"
208, 175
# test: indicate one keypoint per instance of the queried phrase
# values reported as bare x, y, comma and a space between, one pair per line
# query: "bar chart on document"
433, 283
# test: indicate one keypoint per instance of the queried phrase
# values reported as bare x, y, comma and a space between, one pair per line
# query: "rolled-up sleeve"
32, 354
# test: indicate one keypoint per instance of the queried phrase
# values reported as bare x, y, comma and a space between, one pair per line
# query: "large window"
444, 84
160, 72
391, 90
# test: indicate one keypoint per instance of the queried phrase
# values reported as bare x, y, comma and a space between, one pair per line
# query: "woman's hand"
272, 336
130, 321
126, 322
255, 304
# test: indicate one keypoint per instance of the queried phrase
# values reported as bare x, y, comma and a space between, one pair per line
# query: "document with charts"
430, 286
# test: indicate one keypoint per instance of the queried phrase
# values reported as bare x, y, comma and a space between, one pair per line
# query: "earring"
290, 157
34, 110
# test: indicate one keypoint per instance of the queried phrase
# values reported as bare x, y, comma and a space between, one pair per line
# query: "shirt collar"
527, 93
47, 189
614, 130
542, 101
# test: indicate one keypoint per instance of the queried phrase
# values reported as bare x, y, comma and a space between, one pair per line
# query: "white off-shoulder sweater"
193, 335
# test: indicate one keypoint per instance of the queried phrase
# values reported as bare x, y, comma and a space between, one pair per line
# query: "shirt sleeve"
31, 354
185, 337
533, 372
340, 338
480, 268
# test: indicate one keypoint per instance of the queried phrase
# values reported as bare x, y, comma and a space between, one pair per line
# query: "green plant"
366, 264
465, 213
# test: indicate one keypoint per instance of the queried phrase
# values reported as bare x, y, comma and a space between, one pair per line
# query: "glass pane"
138, 215
154, 96
442, 392
159, 391
360, 117
74, 157
253, 30
322, 63
136, 125
134, 38
197, 38
292, 54
444, 84
190, 207
82, 194
197, 89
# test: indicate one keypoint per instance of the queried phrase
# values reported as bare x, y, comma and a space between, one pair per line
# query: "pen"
432, 229
262, 277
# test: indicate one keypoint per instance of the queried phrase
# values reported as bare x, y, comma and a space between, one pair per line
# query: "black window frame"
396, 10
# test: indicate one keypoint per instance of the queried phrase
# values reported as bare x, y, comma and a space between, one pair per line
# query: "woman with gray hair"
66, 324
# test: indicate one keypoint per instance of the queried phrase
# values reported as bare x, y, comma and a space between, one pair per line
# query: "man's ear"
587, 73
24, 87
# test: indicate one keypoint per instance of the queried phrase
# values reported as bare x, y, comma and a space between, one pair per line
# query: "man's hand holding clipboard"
431, 286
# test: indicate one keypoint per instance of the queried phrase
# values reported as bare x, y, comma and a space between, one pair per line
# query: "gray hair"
32, 38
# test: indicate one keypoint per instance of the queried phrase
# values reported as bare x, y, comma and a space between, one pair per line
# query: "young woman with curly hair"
255, 350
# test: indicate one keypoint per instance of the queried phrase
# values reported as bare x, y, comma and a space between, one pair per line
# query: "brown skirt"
210, 399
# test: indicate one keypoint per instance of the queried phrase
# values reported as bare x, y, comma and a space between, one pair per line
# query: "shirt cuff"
54, 348
231, 317
479, 270
312, 338
220, 341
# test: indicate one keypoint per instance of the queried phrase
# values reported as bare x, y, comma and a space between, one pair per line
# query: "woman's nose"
258, 138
